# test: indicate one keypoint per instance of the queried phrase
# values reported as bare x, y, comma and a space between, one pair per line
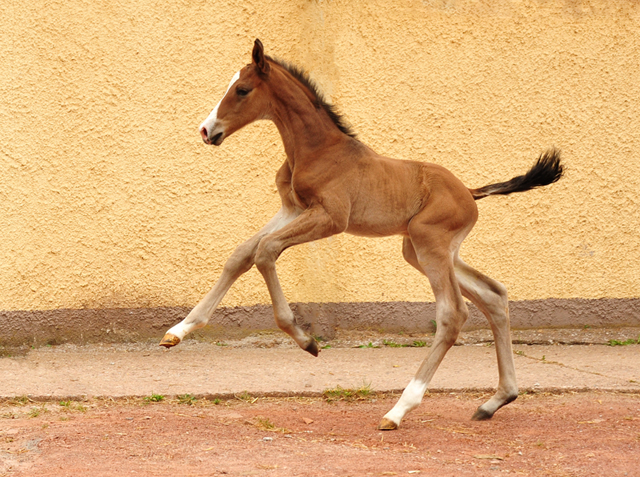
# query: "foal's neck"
305, 127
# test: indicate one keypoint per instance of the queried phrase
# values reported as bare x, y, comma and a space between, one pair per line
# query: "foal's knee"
450, 324
240, 261
266, 256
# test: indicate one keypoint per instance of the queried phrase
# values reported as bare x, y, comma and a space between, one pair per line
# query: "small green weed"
20, 401
154, 398
187, 399
370, 345
216, 401
392, 344
264, 424
246, 397
624, 343
71, 406
341, 394
36, 411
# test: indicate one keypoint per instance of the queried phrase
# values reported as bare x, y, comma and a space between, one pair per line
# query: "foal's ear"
258, 57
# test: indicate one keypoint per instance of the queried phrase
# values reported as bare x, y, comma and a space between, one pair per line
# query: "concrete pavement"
545, 361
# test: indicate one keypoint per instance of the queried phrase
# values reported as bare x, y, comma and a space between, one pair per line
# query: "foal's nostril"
204, 133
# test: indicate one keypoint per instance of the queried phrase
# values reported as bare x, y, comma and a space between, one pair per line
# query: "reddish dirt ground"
538, 435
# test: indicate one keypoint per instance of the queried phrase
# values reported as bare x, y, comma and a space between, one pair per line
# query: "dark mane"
302, 76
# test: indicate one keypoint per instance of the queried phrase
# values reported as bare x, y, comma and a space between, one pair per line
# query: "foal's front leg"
313, 224
240, 262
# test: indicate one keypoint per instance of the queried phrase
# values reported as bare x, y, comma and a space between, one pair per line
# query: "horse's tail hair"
545, 171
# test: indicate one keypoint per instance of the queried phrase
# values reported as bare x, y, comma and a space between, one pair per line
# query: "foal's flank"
330, 183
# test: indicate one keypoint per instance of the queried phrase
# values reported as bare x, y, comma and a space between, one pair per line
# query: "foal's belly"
377, 228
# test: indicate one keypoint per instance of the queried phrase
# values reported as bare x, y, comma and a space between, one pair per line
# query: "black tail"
545, 171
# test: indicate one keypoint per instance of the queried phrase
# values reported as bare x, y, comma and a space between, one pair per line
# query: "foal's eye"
242, 92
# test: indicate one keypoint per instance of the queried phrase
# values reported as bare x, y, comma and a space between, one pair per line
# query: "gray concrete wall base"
37, 328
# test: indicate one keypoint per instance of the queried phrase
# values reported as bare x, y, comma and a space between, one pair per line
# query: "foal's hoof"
313, 348
387, 425
169, 340
481, 415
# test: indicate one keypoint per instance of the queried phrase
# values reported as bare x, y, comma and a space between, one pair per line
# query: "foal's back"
386, 194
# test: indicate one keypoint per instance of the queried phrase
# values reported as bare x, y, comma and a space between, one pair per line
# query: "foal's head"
245, 101
254, 90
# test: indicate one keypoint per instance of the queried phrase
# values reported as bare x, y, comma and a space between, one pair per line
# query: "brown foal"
332, 183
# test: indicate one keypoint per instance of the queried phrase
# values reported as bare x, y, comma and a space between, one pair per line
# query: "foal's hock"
330, 183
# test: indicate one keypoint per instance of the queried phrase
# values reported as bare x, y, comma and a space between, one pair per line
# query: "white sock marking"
196, 318
410, 399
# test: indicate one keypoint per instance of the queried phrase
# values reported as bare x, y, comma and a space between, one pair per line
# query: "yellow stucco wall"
108, 198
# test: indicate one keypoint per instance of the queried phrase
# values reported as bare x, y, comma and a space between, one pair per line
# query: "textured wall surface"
109, 199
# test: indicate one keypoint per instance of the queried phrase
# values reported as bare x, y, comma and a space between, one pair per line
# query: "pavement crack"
574, 368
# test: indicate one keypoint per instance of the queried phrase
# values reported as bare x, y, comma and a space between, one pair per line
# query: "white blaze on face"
213, 117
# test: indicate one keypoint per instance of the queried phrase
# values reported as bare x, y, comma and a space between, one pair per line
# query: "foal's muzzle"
216, 139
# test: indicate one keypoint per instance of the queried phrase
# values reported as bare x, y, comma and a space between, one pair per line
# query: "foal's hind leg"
240, 262
434, 260
490, 297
